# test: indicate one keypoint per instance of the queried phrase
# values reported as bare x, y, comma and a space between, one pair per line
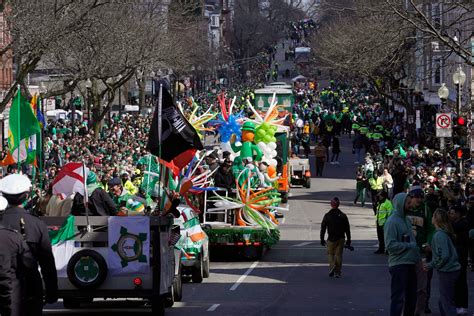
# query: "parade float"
244, 218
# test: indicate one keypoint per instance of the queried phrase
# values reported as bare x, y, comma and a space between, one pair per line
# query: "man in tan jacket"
320, 153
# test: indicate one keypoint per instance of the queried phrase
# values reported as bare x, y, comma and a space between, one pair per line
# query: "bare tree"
451, 23
38, 27
366, 45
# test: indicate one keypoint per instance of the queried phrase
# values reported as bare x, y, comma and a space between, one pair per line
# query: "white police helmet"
15, 184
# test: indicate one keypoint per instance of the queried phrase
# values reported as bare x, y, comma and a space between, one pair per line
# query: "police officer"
15, 259
15, 189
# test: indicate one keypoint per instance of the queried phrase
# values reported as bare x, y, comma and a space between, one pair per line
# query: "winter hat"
335, 202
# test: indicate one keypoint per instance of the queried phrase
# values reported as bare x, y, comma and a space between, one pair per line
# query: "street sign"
444, 126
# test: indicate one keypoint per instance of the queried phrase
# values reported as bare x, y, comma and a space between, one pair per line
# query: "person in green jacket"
376, 186
420, 219
403, 254
445, 261
384, 210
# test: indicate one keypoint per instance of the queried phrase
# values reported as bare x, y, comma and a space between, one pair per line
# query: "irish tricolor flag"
23, 128
62, 241
193, 229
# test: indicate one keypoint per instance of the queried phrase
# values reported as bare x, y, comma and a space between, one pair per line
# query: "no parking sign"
444, 125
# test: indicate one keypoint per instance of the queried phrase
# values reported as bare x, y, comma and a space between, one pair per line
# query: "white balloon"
272, 145
274, 153
272, 162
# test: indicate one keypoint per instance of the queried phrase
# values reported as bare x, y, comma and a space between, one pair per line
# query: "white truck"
87, 265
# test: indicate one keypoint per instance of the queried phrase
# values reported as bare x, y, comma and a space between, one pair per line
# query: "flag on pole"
62, 242
23, 127
193, 229
179, 139
36, 106
71, 179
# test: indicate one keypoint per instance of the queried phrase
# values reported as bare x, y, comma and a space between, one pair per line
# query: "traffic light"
463, 153
460, 131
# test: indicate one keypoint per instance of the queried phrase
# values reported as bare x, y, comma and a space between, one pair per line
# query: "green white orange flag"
23, 128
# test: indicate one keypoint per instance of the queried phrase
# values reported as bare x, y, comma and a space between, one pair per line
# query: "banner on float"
129, 245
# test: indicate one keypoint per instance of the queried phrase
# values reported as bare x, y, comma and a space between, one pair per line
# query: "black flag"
178, 136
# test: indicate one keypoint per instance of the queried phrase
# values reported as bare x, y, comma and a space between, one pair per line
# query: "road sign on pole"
444, 125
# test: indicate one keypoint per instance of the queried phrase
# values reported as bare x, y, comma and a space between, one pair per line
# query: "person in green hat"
249, 151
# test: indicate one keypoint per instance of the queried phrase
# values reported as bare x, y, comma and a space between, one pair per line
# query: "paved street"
292, 278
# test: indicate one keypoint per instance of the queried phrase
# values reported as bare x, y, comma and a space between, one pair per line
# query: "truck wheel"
308, 183
178, 286
169, 297
206, 270
157, 306
198, 272
71, 303
87, 269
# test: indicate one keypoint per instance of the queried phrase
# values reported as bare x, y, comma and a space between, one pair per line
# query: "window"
436, 15
214, 20
436, 70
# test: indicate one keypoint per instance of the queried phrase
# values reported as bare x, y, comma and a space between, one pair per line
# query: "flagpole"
148, 177
86, 197
38, 106
18, 129
160, 128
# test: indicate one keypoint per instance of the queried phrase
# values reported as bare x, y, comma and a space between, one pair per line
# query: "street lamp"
459, 78
443, 92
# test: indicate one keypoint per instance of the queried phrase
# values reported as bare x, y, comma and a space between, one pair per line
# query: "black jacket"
461, 229
37, 238
15, 259
337, 225
223, 179
100, 204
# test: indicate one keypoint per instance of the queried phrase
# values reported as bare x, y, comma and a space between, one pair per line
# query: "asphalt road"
292, 278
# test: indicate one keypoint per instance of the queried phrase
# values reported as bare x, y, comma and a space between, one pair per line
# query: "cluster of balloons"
229, 127
265, 133
269, 152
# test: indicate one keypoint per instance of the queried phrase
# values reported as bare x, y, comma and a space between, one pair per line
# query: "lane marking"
213, 307
242, 277
303, 244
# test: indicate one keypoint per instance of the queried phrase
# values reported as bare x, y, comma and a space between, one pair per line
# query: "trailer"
87, 270
220, 225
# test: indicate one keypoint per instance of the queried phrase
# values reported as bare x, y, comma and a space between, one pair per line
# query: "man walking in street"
337, 225
320, 154
403, 255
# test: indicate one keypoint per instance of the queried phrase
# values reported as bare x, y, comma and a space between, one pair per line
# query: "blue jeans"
403, 288
447, 281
